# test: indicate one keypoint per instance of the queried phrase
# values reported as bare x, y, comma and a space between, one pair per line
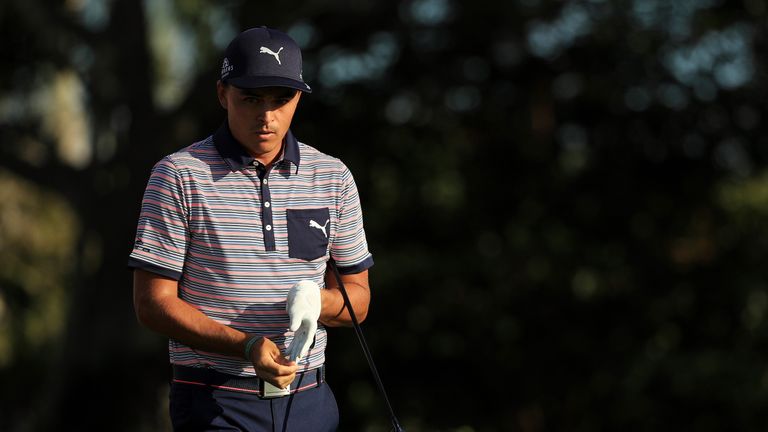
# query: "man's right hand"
270, 364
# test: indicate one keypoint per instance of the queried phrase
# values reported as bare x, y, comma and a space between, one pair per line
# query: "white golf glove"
303, 306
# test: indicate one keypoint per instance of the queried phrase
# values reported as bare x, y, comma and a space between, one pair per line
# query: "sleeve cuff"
357, 268
134, 263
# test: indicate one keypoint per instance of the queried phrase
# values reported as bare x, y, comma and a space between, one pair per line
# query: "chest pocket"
308, 231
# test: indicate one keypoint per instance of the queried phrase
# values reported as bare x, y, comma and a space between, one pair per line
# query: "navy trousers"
199, 408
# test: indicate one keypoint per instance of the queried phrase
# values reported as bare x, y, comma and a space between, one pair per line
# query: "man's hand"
270, 364
303, 305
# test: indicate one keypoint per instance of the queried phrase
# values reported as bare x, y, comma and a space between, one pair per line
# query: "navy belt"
212, 378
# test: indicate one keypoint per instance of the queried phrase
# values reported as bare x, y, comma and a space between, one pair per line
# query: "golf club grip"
359, 331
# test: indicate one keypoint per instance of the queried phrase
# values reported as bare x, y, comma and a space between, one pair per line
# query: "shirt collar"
235, 155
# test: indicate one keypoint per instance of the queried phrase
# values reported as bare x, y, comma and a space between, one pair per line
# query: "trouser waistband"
212, 378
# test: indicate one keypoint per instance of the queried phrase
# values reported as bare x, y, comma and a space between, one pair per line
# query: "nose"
265, 113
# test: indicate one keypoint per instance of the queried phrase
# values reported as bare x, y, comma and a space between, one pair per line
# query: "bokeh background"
566, 202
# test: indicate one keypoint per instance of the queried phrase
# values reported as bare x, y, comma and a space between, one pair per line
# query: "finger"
285, 362
293, 351
284, 381
309, 336
291, 354
297, 344
278, 371
280, 381
268, 362
285, 370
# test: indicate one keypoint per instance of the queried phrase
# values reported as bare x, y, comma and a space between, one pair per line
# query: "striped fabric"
237, 242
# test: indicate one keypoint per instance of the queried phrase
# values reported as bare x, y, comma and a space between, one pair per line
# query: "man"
231, 254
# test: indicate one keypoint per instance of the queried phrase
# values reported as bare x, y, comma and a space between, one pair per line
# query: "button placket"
266, 212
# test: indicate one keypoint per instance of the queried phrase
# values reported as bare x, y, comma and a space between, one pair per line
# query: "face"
259, 118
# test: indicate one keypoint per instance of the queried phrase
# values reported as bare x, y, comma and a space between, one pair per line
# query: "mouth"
263, 132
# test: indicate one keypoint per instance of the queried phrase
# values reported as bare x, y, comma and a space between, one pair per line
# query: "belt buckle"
269, 391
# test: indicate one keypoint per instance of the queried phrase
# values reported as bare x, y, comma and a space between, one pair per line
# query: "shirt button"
266, 204
268, 227
264, 181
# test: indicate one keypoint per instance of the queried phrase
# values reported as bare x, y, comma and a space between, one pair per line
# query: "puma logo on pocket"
314, 224
304, 240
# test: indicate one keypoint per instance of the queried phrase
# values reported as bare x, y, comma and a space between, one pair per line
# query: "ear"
221, 92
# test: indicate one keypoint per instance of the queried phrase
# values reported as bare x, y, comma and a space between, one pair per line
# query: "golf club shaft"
395, 424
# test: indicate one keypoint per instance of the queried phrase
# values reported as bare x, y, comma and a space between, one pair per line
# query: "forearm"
335, 314
178, 320
159, 308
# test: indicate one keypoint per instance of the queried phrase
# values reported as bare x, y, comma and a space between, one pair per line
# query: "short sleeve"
350, 248
162, 234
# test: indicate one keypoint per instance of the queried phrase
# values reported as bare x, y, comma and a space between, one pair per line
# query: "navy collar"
235, 155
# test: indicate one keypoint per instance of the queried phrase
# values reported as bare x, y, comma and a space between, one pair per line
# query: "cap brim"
268, 81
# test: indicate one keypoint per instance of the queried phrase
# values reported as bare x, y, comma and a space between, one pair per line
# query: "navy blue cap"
263, 57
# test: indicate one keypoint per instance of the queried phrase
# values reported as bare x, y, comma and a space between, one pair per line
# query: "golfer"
231, 249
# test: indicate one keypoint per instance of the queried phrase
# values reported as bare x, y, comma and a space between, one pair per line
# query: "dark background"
566, 202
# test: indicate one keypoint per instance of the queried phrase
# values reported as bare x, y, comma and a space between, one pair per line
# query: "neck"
266, 157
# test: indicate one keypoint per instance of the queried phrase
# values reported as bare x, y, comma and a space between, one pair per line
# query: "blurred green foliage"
564, 200
38, 231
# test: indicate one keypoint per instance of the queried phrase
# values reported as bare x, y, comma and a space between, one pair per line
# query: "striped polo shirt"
237, 235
